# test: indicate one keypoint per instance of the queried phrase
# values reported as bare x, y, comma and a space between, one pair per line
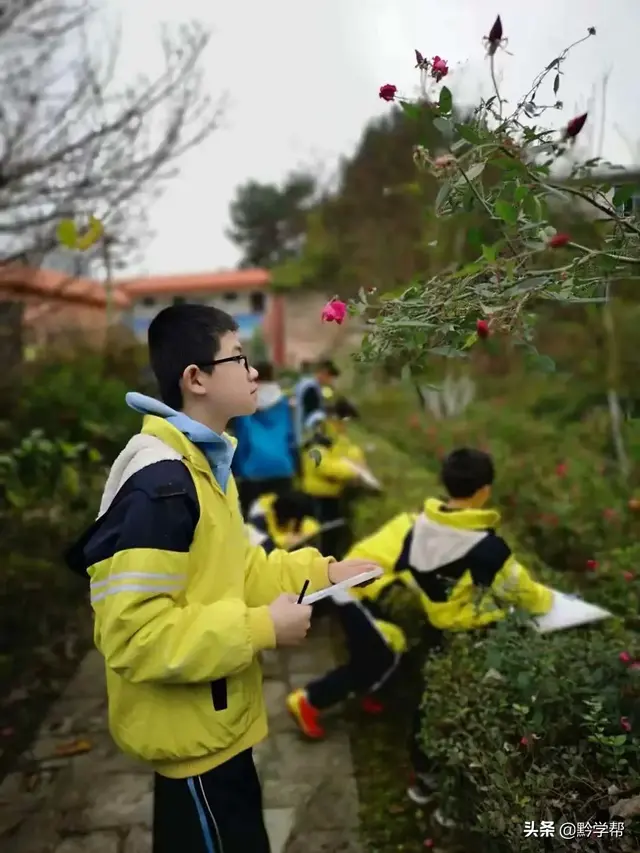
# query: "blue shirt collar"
217, 448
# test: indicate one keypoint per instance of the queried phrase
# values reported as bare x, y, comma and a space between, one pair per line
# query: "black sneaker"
422, 788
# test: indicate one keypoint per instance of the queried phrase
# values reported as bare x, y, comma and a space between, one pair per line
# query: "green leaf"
458, 145
474, 237
469, 133
623, 194
446, 100
443, 195
507, 212
471, 340
543, 363
490, 253
67, 233
469, 269
520, 193
448, 352
412, 110
475, 171
444, 126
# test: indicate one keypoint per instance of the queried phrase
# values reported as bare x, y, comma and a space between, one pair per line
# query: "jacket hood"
462, 519
442, 536
141, 450
217, 449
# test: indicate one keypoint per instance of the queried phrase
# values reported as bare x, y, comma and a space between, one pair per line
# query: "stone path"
100, 801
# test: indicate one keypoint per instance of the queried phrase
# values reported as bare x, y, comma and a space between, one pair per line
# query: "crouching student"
375, 644
462, 569
283, 521
332, 472
183, 604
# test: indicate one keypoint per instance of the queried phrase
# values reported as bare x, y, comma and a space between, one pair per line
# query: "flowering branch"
498, 170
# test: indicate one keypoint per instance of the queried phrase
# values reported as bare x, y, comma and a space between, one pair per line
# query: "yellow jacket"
343, 444
325, 469
180, 601
464, 573
263, 517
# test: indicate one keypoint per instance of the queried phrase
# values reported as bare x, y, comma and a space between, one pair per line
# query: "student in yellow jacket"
463, 572
183, 602
333, 471
283, 521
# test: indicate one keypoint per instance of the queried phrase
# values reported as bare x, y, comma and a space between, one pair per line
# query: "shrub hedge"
521, 727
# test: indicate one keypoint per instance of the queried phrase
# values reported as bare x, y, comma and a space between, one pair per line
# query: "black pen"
304, 589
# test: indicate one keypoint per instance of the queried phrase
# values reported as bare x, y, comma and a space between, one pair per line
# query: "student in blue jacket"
265, 460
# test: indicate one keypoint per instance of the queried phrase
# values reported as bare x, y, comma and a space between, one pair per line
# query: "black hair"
329, 367
265, 370
293, 506
342, 409
466, 471
181, 335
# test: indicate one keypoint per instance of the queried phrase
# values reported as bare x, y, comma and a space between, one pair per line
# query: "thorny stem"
492, 67
554, 64
610, 211
623, 259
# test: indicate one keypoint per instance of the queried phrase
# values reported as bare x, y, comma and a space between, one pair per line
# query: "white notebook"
569, 612
329, 591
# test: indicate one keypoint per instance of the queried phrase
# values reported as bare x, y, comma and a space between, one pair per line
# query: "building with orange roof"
58, 303
243, 293
55, 302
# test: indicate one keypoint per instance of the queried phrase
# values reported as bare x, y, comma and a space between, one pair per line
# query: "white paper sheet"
569, 612
366, 476
328, 591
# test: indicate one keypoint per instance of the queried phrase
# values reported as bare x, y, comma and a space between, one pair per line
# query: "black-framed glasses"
239, 359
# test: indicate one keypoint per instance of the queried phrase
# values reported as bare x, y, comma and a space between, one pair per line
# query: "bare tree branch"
72, 143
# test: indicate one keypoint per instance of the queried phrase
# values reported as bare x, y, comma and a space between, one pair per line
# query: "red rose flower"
388, 92
558, 241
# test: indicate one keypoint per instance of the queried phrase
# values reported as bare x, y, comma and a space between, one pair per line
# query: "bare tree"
72, 142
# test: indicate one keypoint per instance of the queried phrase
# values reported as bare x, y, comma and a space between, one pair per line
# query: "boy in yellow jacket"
333, 471
463, 572
182, 602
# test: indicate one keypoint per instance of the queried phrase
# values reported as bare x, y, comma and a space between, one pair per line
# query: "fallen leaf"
74, 747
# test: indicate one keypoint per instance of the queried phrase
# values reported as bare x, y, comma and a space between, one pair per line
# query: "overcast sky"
302, 79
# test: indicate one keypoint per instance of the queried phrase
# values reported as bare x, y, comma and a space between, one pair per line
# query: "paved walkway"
100, 801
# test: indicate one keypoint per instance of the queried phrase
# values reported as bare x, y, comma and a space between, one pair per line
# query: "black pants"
336, 542
217, 812
250, 490
371, 660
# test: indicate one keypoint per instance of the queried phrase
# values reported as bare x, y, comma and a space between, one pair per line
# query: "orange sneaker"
306, 716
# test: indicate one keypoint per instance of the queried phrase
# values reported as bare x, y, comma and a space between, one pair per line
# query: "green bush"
77, 400
522, 727
570, 695
70, 421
